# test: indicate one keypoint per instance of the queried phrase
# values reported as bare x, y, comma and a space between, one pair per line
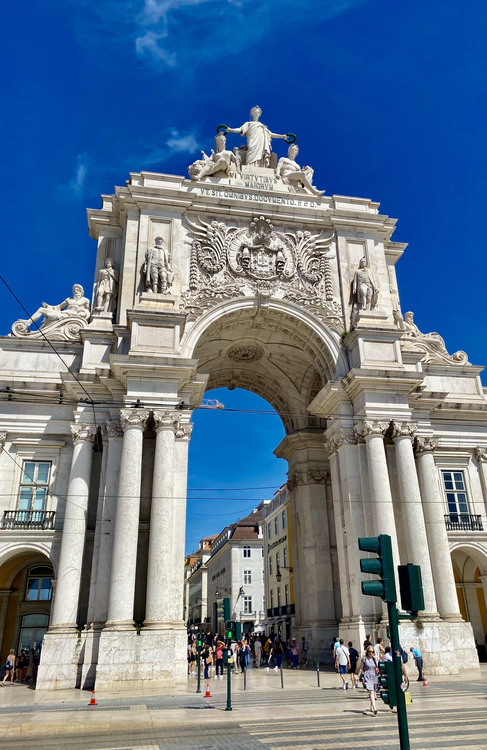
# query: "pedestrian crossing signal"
231, 630
387, 684
199, 640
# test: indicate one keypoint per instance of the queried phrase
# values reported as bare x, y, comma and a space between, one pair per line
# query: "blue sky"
388, 101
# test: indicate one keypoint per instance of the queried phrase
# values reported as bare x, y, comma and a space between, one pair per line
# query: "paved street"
448, 714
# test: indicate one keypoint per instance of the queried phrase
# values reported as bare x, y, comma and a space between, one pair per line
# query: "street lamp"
278, 572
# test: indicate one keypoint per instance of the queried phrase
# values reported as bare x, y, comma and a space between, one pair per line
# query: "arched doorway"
470, 571
26, 584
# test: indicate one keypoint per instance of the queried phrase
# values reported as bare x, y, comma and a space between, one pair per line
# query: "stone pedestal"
446, 647
152, 659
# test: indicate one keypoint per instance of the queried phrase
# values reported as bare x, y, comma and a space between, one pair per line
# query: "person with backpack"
342, 663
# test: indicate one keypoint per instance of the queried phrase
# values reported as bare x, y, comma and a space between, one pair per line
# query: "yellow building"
278, 566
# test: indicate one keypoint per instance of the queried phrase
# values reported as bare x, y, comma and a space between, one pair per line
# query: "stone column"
434, 514
4, 597
183, 436
380, 489
163, 522
65, 606
483, 581
124, 556
412, 507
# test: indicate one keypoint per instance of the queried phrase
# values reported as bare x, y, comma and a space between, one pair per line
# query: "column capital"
134, 418
300, 478
165, 420
481, 454
424, 444
342, 437
402, 429
368, 427
114, 429
184, 431
3, 437
82, 432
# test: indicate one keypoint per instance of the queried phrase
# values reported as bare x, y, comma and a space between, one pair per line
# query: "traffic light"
199, 640
231, 630
411, 588
383, 566
387, 689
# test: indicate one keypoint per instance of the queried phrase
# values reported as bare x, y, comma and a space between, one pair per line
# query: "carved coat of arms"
228, 262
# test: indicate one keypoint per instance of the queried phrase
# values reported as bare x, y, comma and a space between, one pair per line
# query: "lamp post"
278, 572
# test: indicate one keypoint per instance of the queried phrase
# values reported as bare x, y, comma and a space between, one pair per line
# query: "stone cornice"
302, 440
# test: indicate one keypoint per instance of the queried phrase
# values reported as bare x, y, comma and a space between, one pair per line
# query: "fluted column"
124, 557
434, 514
159, 604
412, 508
181, 448
65, 606
380, 488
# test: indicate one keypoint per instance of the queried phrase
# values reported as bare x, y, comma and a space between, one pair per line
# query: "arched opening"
470, 572
26, 584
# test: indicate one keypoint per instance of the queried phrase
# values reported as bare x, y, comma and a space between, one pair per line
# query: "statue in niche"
365, 291
221, 163
157, 269
63, 321
259, 139
107, 288
295, 176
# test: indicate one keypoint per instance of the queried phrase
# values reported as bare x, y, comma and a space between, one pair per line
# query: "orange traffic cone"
93, 699
425, 681
207, 694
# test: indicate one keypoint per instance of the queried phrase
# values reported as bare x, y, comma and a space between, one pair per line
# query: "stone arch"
470, 571
36, 549
278, 351
461, 552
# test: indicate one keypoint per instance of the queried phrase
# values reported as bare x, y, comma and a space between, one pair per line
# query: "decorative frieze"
424, 444
82, 432
300, 478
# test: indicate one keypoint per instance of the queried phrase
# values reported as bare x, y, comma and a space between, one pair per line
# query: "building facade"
278, 566
236, 573
196, 586
244, 275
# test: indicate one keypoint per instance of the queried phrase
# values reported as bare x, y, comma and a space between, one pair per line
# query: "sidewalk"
27, 712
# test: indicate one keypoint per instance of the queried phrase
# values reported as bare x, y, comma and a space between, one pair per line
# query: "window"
247, 576
269, 531
278, 596
270, 565
272, 598
456, 493
247, 605
39, 584
283, 520
246, 551
32, 632
34, 485
286, 594
263, 575
276, 525
284, 556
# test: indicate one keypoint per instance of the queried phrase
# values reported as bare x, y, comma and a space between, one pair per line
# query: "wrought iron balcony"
463, 522
28, 519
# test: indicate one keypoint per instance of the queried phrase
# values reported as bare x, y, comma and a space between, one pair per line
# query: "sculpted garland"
229, 262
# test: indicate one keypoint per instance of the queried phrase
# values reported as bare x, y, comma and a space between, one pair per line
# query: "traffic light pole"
198, 688
402, 719
229, 677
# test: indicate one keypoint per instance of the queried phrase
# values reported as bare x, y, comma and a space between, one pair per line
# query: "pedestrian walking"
369, 669
419, 662
342, 663
219, 659
304, 652
354, 656
379, 649
10, 668
270, 656
295, 653
21, 665
257, 651
208, 661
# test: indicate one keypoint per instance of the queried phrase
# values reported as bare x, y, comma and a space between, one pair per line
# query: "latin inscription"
257, 198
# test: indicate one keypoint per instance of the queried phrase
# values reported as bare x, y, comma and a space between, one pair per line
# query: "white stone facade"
250, 278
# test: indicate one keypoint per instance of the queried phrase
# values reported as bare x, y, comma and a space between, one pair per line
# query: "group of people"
346, 659
268, 653
21, 668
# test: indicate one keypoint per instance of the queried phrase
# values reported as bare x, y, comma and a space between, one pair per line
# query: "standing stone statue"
157, 269
364, 287
220, 163
107, 288
258, 139
295, 176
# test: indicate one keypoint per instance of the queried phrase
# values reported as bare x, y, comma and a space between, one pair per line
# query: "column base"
163, 625
446, 647
319, 637
91, 647
151, 659
61, 659
451, 617
120, 625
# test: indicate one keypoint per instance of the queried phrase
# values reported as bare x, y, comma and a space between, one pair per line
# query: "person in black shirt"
353, 653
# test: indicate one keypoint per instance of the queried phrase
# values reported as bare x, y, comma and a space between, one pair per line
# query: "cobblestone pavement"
449, 715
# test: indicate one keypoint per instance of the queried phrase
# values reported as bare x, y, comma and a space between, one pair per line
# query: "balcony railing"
287, 609
463, 522
28, 519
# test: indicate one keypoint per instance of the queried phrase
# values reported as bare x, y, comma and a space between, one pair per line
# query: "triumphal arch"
243, 275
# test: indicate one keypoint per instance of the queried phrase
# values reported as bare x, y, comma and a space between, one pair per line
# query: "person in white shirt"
379, 649
342, 663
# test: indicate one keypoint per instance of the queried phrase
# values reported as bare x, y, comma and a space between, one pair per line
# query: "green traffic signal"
411, 588
231, 630
383, 566
387, 684
199, 640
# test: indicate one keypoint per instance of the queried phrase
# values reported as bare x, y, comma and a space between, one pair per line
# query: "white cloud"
176, 143
182, 143
149, 44
77, 184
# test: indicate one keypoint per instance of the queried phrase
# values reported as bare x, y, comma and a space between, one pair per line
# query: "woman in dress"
369, 669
